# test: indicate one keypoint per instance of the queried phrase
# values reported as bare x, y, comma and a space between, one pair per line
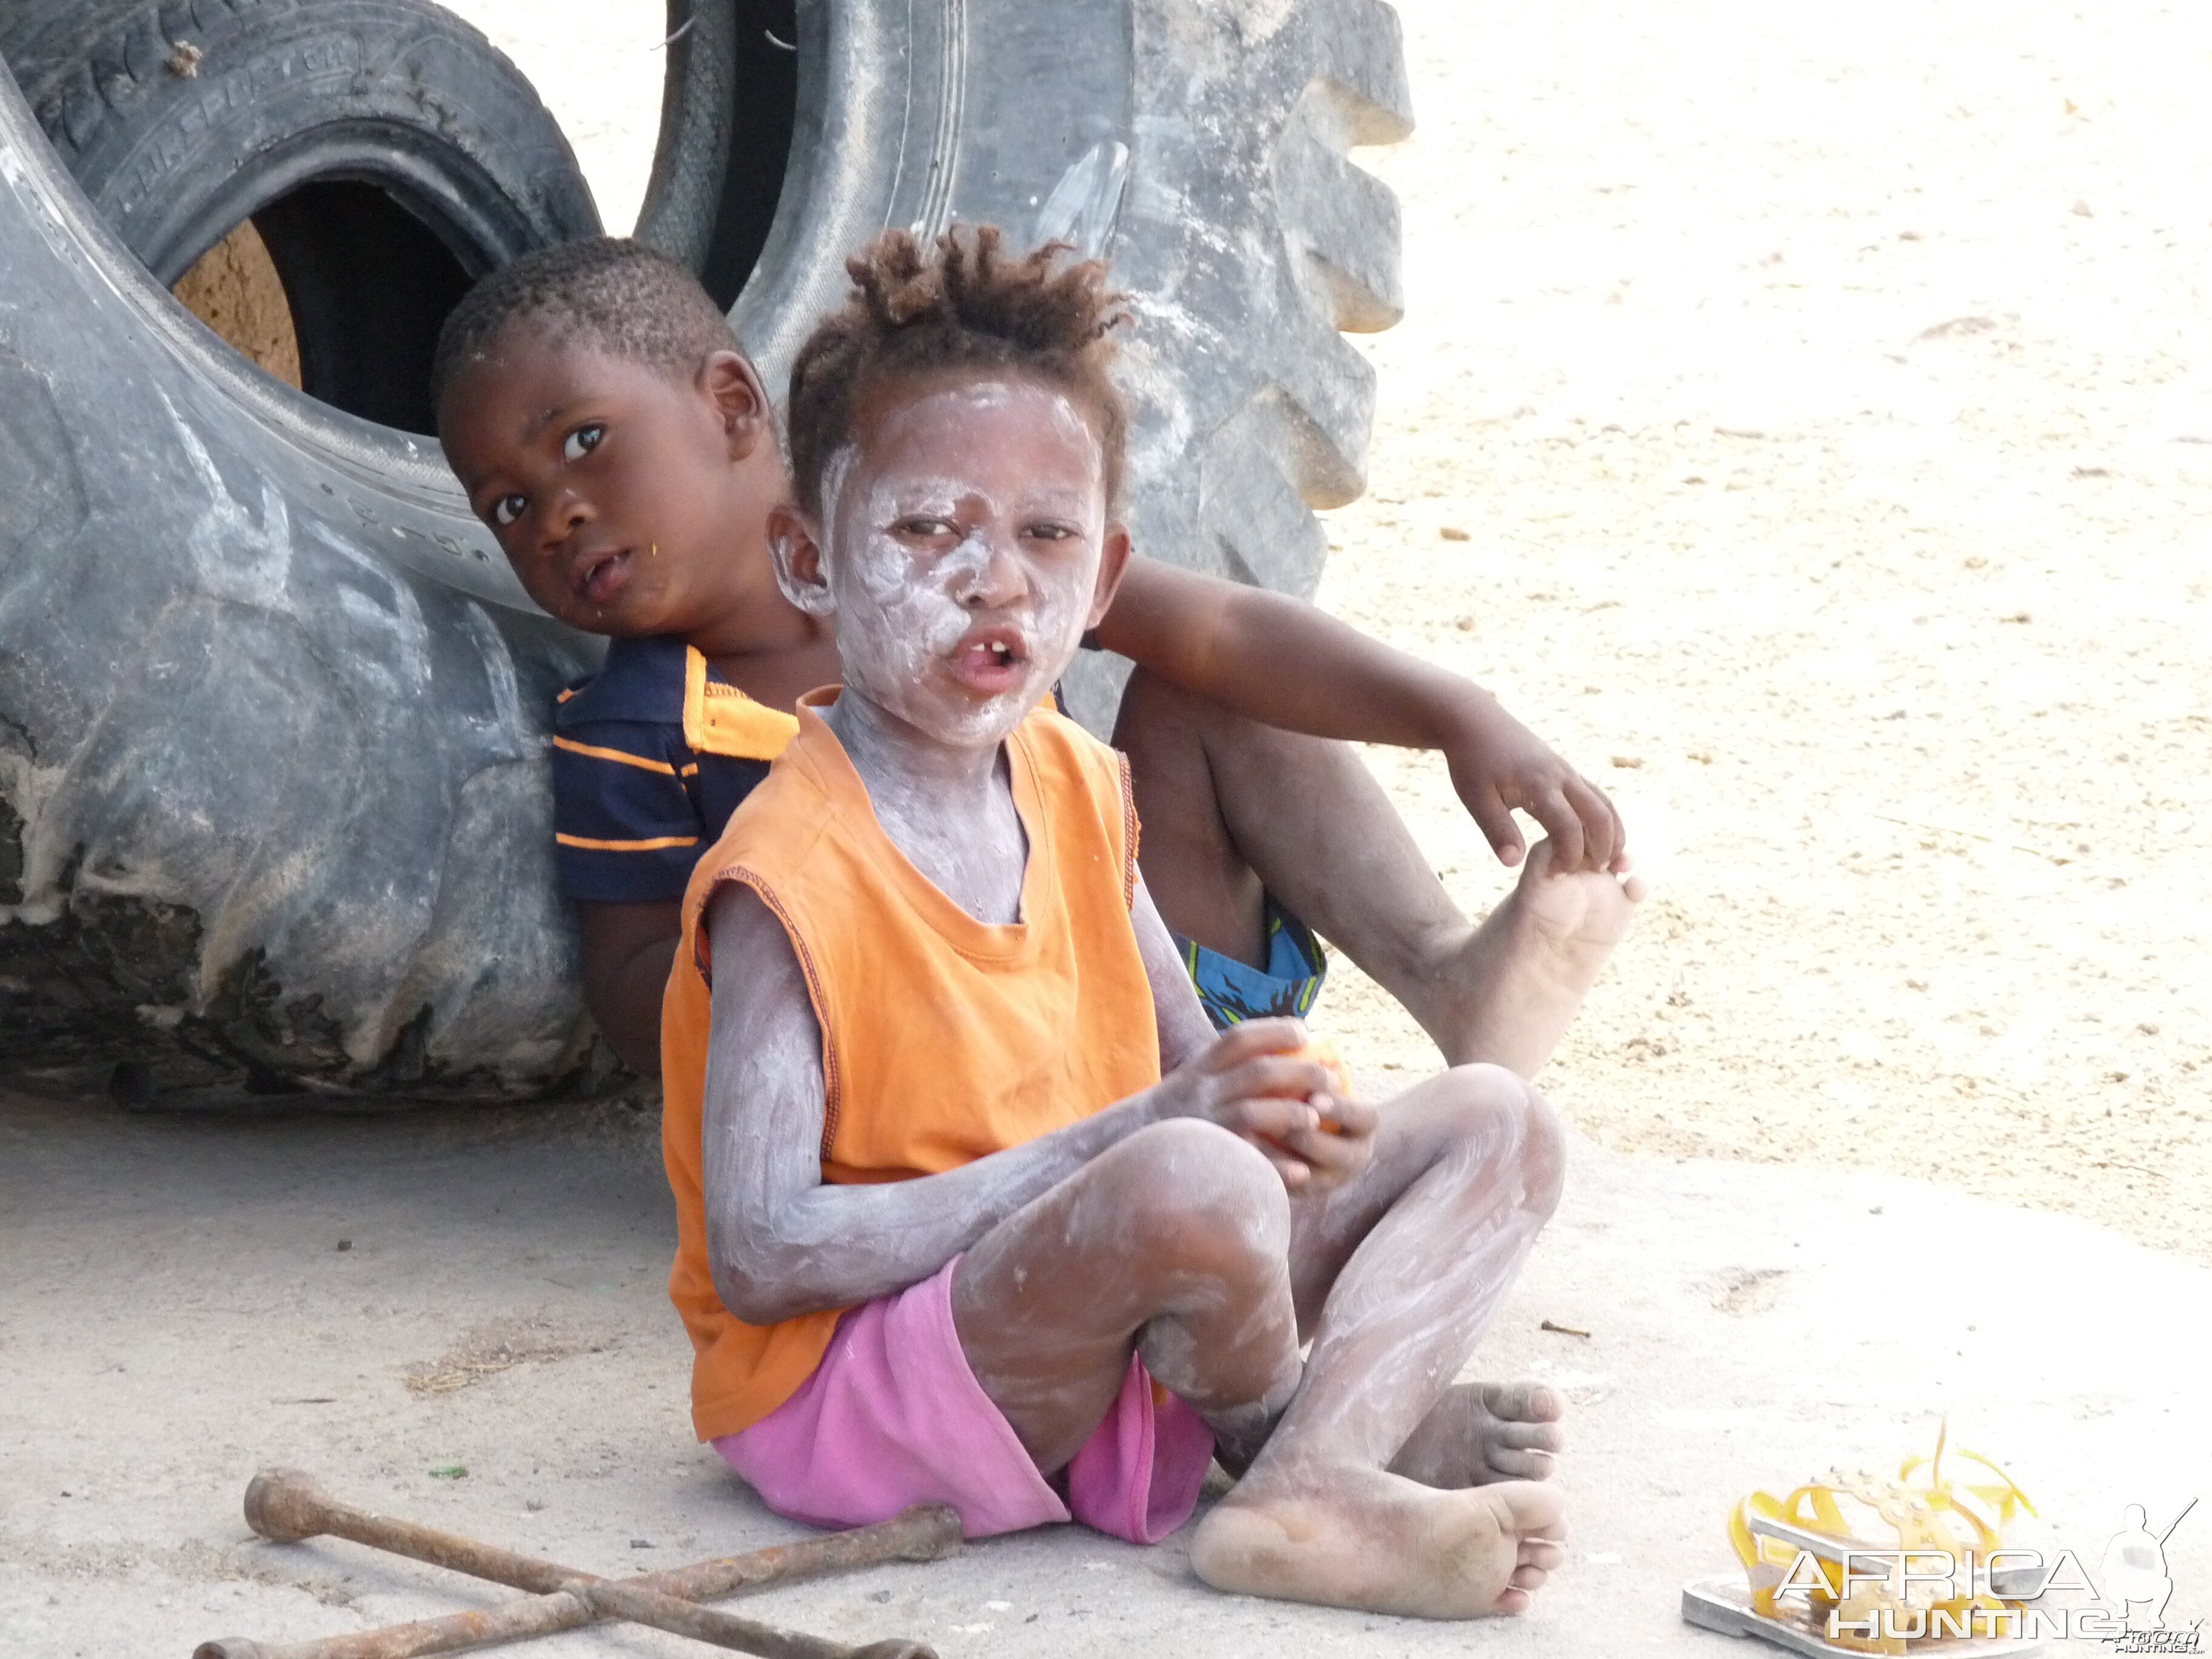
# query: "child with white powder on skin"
594, 404
974, 1207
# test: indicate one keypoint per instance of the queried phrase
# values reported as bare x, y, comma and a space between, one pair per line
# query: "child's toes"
1523, 1402
1538, 1556
1529, 1437
1520, 1463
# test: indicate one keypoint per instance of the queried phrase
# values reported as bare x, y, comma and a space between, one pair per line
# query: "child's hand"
1339, 1147
1498, 765
1256, 1082
1342, 1119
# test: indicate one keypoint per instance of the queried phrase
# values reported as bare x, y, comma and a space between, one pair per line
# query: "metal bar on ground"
285, 1506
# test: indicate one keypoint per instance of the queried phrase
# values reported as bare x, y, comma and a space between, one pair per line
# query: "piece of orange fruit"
1322, 1051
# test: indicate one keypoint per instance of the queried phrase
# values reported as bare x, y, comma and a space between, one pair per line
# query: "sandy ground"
458, 1317
1825, 398
1822, 398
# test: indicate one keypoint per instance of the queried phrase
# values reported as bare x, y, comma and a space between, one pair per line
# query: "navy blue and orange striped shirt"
650, 756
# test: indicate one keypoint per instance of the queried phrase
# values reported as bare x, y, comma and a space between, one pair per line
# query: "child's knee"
1499, 1124
1159, 724
1203, 1200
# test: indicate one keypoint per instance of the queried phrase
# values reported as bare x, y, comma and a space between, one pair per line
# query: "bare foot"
1481, 1433
1505, 992
1346, 1536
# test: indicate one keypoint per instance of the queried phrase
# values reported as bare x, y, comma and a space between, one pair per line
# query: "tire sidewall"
391, 92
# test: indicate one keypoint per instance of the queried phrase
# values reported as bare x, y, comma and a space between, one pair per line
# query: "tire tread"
80, 62
1312, 239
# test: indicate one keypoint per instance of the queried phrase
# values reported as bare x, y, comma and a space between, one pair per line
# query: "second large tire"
1200, 144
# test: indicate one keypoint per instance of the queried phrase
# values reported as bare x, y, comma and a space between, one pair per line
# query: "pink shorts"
893, 1416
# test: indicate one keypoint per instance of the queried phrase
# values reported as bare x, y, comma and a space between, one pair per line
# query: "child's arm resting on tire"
1284, 663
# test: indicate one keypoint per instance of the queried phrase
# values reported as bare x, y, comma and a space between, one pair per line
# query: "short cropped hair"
610, 293
919, 311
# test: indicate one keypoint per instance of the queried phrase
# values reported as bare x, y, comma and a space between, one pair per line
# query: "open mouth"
597, 577
992, 659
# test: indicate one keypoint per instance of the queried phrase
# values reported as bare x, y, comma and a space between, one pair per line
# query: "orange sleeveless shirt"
944, 1038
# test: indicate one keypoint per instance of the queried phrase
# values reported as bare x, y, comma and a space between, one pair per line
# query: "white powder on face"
902, 609
817, 599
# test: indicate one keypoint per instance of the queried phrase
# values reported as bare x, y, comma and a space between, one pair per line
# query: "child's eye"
507, 509
929, 529
581, 443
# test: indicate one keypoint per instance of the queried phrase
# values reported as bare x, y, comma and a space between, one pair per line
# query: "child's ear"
796, 547
735, 386
1113, 564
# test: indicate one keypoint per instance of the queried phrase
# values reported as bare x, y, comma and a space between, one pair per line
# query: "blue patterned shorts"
1232, 993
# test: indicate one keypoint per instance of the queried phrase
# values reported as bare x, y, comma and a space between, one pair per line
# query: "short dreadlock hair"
919, 311
615, 295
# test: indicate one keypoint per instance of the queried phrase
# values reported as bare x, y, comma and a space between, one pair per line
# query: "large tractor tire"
386, 154
273, 800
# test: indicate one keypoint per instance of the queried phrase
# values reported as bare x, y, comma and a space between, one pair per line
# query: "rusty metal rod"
535, 1615
548, 1615
286, 1506
641, 1606
570, 1609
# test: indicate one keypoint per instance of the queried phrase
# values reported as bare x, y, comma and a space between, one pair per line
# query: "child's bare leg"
1175, 1242
1207, 889
1232, 809
1396, 1274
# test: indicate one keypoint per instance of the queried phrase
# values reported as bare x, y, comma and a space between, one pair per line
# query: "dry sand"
1826, 398
388, 1305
